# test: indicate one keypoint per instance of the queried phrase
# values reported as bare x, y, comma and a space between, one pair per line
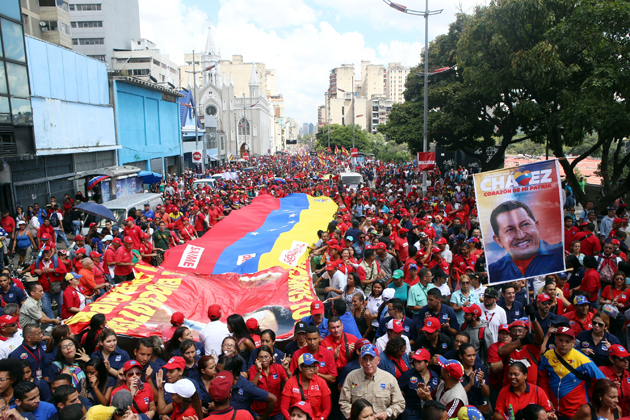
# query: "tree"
341, 135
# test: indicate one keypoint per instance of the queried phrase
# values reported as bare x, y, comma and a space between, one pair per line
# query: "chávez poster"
520, 213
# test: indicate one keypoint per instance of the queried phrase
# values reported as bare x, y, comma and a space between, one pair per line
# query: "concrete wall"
70, 98
148, 127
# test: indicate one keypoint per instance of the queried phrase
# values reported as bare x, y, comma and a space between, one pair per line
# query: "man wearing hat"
395, 328
109, 257
385, 260
618, 373
433, 339
413, 380
480, 334
317, 318
327, 368
148, 212
132, 231
353, 364
79, 242
524, 348
220, 390
299, 335
373, 384
10, 335
336, 278
213, 333
564, 374
493, 313
450, 391
581, 318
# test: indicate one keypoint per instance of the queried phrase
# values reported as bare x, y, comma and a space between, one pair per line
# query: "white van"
351, 179
121, 208
203, 182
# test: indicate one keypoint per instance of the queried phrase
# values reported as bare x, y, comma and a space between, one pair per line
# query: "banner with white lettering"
520, 215
276, 297
426, 161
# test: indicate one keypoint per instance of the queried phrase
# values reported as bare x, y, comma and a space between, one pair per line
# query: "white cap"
108, 238
388, 294
184, 388
21, 222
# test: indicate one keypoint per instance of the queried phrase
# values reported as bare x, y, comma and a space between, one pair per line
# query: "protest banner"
426, 161
520, 216
276, 297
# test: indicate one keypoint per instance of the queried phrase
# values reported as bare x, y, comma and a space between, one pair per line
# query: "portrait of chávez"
516, 230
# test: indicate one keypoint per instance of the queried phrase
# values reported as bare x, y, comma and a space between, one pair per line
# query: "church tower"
254, 83
211, 57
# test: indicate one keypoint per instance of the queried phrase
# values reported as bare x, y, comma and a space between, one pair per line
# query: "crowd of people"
405, 325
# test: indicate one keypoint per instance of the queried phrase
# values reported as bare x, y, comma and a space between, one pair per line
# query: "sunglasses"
130, 374
599, 324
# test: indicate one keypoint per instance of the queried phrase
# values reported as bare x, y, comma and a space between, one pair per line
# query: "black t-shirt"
444, 344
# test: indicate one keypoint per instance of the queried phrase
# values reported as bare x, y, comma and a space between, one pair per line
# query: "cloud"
302, 40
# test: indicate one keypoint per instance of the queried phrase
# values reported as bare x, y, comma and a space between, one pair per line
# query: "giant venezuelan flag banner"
269, 232
276, 297
520, 214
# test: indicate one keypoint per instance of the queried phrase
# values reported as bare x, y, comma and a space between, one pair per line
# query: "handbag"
55, 287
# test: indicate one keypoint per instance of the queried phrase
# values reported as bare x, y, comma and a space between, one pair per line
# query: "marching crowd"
406, 325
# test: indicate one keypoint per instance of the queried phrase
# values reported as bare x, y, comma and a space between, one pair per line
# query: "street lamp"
426, 12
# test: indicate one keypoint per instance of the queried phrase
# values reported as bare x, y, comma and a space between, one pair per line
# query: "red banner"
276, 297
354, 152
426, 161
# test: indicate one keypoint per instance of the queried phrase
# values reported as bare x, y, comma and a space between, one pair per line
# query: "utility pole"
354, 160
203, 153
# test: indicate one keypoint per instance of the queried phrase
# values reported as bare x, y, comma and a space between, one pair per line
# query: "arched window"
243, 127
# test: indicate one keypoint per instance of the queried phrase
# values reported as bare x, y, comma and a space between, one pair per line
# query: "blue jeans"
61, 234
47, 304
76, 227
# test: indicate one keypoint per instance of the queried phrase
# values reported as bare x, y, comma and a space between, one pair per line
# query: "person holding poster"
520, 212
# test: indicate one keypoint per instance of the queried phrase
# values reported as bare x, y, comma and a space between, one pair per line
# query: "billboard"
520, 215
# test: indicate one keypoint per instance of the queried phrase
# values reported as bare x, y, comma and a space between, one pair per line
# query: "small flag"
336, 149
344, 151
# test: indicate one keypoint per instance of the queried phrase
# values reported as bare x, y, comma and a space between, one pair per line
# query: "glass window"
10, 8
21, 110
13, 40
18, 80
3, 79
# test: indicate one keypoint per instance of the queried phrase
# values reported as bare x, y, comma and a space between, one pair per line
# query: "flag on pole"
344, 152
231, 158
336, 150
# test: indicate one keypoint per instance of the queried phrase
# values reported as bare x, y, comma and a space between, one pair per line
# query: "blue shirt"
445, 313
150, 214
401, 292
45, 411
323, 327
116, 360
349, 325
244, 393
545, 323
515, 313
584, 340
458, 299
36, 357
408, 383
13, 295
549, 259
408, 324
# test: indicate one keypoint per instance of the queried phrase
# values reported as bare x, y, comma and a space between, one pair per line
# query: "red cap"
381, 245
402, 231
617, 220
472, 309
128, 240
220, 387
518, 323
317, 307
330, 266
566, 331
360, 343
117, 241
305, 407
76, 238
81, 251
441, 241
422, 354
543, 297
615, 350
92, 224
176, 362
177, 318
395, 325
251, 324
504, 327
132, 364
8, 319
214, 312
95, 254
431, 325
129, 219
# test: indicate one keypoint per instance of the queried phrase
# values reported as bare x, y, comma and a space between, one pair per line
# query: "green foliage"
341, 135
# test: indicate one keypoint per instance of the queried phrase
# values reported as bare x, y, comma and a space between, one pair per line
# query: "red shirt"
590, 245
495, 380
124, 256
179, 414
324, 356
49, 230
70, 300
591, 284
524, 356
569, 234
108, 256
621, 295
271, 383
533, 395
142, 399
578, 325
317, 394
146, 248
134, 233
7, 223
401, 245
623, 386
187, 232
330, 344
199, 222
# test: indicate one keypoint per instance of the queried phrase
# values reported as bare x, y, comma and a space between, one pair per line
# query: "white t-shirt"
447, 255
212, 335
339, 281
10, 344
495, 318
445, 290
381, 342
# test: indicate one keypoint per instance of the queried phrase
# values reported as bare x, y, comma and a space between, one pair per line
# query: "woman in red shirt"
617, 296
186, 402
187, 232
269, 376
306, 385
73, 300
141, 392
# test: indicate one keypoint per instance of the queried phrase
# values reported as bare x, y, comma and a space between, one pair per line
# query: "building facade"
395, 79
99, 27
379, 109
48, 20
145, 62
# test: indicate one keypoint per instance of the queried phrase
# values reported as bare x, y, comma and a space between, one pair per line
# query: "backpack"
54, 220
482, 332
607, 269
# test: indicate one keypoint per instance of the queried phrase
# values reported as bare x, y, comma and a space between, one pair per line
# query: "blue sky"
301, 39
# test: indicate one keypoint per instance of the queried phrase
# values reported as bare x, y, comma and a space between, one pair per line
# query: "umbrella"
280, 180
92, 182
149, 177
97, 210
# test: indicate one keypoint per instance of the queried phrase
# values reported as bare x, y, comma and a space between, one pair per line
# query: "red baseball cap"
441, 241
395, 325
422, 354
317, 307
129, 219
617, 220
128, 240
220, 387
177, 318
360, 343
81, 251
214, 312
93, 224
504, 327
431, 325
8, 319
305, 407
251, 324
566, 331
117, 241
472, 309
543, 297
330, 266
176, 362
95, 254
615, 350
130, 364
518, 323
76, 238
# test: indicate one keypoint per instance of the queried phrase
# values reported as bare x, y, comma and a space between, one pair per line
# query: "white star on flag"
271, 230
292, 221
292, 215
253, 233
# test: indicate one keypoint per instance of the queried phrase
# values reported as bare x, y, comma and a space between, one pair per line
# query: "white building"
99, 27
235, 122
395, 78
144, 60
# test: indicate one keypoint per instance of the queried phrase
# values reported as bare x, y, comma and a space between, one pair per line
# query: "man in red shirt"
581, 318
588, 239
463, 260
146, 248
133, 232
401, 245
339, 342
199, 221
618, 373
591, 284
524, 347
495, 374
124, 262
7, 222
327, 366
47, 229
569, 232
109, 256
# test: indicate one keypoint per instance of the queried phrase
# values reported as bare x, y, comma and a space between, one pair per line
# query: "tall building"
144, 60
310, 128
185, 71
396, 77
101, 26
240, 72
305, 129
372, 79
321, 115
47, 19
379, 108
277, 103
